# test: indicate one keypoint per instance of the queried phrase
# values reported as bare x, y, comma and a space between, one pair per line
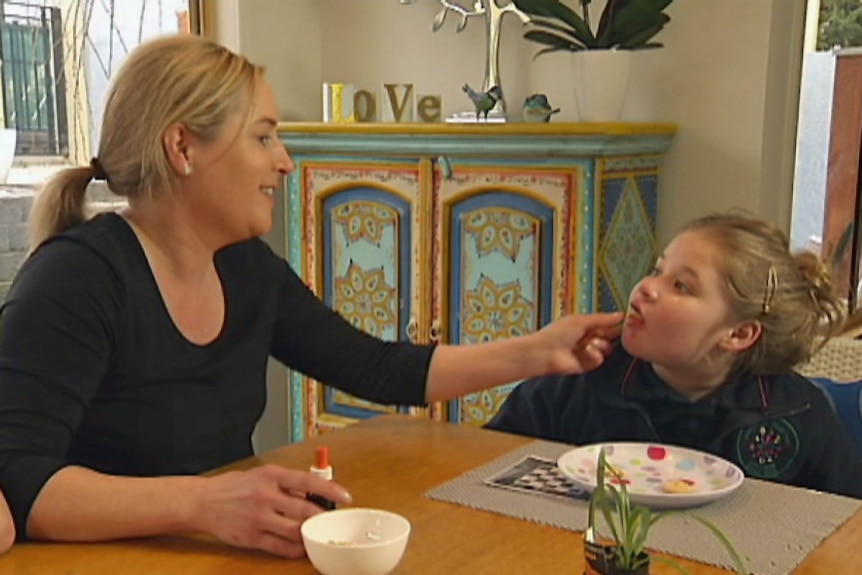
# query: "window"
58, 57
33, 84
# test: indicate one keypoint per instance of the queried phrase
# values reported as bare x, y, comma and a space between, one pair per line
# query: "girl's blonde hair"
790, 294
181, 79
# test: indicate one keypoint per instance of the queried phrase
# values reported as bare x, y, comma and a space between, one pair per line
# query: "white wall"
371, 42
728, 76
290, 48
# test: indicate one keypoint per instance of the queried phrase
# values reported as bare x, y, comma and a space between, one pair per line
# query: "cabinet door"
360, 248
626, 252
506, 260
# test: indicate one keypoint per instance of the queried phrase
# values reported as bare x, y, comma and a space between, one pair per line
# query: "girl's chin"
633, 343
628, 338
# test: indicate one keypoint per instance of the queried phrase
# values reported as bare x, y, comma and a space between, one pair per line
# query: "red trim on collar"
629, 371
763, 396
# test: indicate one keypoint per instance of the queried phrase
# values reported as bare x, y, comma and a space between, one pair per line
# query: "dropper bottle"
323, 469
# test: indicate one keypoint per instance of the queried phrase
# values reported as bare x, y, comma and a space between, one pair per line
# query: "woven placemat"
773, 526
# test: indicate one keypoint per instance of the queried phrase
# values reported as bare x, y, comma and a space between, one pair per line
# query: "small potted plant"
602, 55
623, 551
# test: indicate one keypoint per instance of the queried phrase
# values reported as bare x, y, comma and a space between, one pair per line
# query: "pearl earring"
187, 170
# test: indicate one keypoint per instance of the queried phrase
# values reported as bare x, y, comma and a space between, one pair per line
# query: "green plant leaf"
624, 24
535, 7
622, 31
633, 18
649, 46
605, 496
636, 533
549, 50
640, 39
608, 513
550, 39
841, 246
611, 9
719, 534
643, 520
566, 32
555, 9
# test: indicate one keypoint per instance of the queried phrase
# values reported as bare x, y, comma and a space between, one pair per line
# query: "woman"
133, 346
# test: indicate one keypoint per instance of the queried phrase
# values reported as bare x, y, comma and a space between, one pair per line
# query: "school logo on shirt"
766, 450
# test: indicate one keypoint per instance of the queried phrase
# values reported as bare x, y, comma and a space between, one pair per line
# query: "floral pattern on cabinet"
507, 251
360, 220
464, 234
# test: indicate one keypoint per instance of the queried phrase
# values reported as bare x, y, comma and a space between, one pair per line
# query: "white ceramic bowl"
355, 541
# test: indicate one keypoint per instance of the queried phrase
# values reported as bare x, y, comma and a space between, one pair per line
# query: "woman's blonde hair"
790, 294
181, 79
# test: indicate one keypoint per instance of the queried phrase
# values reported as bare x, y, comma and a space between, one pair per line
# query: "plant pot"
599, 561
642, 570
601, 83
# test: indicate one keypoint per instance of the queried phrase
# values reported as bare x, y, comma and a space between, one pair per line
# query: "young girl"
706, 361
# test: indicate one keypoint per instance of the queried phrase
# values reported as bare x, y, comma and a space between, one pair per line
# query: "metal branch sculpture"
494, 14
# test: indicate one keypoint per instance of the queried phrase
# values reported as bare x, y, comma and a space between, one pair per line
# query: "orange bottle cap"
322, 457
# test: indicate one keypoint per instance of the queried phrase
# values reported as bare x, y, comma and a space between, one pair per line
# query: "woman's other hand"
263, 508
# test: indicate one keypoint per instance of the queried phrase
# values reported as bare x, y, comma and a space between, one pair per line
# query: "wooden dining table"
388, 462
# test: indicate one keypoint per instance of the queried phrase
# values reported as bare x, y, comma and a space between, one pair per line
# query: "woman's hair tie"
98, 170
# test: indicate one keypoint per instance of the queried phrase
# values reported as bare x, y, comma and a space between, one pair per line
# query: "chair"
837, 370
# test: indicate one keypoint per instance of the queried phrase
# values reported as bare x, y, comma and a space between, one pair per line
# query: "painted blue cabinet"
465, 233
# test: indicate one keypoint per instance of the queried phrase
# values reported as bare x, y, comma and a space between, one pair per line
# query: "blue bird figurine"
484, 101
538, 109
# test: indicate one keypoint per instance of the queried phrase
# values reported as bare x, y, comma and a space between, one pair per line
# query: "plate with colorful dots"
658, 476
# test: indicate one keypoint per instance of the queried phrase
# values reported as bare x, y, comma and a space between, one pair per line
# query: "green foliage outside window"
840, 24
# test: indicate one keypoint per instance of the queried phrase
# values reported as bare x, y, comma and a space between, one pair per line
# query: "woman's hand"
578, 343
263, 508
573, 344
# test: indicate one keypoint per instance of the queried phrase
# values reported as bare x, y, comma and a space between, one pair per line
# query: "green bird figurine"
537, 108
484, 101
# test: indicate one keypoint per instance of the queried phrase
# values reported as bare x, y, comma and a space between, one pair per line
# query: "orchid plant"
623, 25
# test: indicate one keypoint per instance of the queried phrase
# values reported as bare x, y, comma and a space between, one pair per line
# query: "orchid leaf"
549, 39
567, 33
611, 8
549, 50
555, 9
645, 35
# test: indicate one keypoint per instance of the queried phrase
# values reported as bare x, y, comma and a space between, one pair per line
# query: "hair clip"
771, 287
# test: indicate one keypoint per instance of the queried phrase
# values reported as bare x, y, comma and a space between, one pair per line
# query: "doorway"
828, 178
